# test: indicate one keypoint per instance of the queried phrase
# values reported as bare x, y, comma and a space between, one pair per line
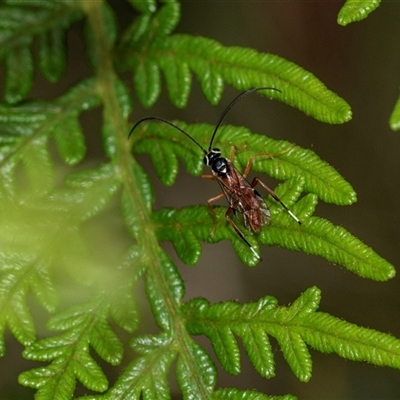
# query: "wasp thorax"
220, 166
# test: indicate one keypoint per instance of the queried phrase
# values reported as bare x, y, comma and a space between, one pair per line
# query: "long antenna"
231, 104
170, 124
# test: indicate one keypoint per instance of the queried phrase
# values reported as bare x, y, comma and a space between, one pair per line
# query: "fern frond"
23, 268
83, 326
130, 212
43, 227
19, 24
166, 277
394, 120
147, 6
14, 287
147, 374
177, 56
237, 394
320, 237
281, 160
177, 226
294, 328
278, 158
194, 358
315, 236
91, 191
35, 234
26, 129
146, 29
356, 10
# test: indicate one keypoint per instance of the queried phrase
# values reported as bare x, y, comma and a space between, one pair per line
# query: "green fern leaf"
152, 25
165, 20
70, 141
318, 236
147, 6
43, 287
394, 120
315, 236
196, 388
52, 57
161, 306
295, 351
96, 186
146, 376
283, 160
26, 130
160, 24
147, 76
164, 145
43, 226
177, 226
259, 350
18, 25
36, 160
19, 273
130, 212
137, 29
147, 82
34, 234
294, 327
84, 325
279, 159
240, 67
237, 394
123, 307
178, 79
351, 341
125, 313
356, 10
19, 77
13, 309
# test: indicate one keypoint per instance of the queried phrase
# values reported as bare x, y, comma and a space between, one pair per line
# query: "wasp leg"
232, 154
248, 168
210, 207
209, 201
253, 184
229, 211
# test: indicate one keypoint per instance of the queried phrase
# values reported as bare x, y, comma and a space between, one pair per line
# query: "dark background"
360, 62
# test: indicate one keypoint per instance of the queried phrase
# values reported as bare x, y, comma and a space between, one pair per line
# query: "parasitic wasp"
244, 200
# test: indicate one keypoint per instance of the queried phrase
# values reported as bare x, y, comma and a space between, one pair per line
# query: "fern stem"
126, 166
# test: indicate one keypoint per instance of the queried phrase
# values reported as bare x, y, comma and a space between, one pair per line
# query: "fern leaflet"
294, 327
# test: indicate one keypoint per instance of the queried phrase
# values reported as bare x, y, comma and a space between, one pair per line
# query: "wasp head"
211, 156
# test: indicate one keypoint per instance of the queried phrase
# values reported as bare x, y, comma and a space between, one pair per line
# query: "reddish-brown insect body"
243, 198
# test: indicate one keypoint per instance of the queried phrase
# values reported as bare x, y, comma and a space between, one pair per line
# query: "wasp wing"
247, 204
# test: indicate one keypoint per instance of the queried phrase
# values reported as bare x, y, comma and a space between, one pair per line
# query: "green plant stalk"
122, 158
